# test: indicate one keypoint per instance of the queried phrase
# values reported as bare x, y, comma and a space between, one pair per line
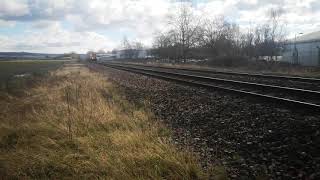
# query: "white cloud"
5, 24
139, 18
13, 8
42, 24
218, 8
54, 39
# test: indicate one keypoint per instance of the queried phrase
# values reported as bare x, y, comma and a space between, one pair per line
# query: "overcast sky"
58, 26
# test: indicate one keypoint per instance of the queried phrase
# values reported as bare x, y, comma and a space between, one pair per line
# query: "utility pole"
295, 50
318, 55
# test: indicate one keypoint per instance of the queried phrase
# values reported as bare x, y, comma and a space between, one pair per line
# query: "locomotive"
92, 56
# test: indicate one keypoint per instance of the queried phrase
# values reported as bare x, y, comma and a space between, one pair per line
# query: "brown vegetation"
75, 124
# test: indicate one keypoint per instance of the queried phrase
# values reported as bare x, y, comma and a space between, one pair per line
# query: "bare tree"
265, 40
185, 26
127, 48
125, 43
165, 46
137, 47
270, 37
221, 37
101, 51
277, 33
249, 48
191, 37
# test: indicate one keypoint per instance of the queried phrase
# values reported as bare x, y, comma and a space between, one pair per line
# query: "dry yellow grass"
75, 124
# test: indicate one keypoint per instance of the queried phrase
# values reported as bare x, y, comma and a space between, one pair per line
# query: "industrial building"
303, 50
117, 54
131, 53
105, 56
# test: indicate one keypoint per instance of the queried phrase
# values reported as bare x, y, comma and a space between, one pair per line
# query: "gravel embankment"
250, 138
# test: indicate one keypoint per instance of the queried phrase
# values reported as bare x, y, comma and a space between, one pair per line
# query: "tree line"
130, 49
194, 37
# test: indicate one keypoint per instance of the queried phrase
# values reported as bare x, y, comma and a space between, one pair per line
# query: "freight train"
92, 56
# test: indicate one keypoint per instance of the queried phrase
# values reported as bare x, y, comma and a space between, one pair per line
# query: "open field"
76, 124
24, 69
10, 68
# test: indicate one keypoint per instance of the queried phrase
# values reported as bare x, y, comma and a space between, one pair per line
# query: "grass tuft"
75, 124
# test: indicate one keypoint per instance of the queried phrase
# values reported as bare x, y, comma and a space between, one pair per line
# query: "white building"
305, 50
132, 53
119, 54
105, 56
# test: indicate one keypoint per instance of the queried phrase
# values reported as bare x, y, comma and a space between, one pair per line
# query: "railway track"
288, 81
207, 71
301, 98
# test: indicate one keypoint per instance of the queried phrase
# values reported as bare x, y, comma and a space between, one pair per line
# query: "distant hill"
27, 55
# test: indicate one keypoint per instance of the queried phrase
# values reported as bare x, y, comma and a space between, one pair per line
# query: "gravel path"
250, 138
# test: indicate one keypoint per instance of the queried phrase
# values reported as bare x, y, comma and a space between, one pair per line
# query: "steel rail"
304, 92
269, 76
289, 102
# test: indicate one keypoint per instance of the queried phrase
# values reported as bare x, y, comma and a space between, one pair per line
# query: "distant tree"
101, 51
270, 37
73, 55
137, 47
190, 36
127, 49
114, 51
125, 43
220, 37
278, 33
185, 26
248, 43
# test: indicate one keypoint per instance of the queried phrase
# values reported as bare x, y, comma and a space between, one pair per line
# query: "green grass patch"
16, 73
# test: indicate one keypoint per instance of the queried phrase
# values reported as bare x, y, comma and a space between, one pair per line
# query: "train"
92, 56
